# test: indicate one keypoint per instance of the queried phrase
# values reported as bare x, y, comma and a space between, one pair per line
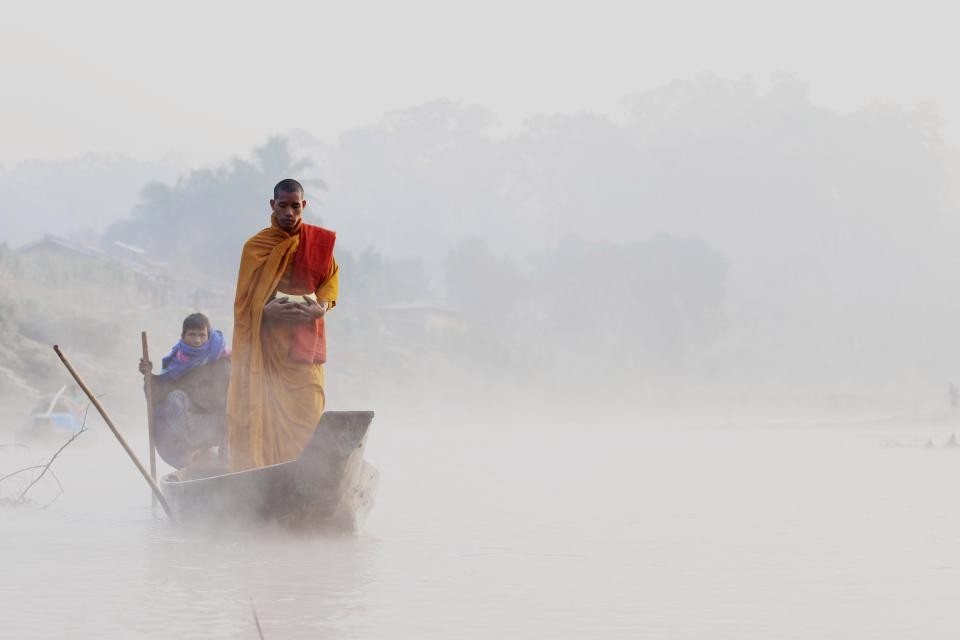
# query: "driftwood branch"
19, 471
45, 467
256, 619
59, 492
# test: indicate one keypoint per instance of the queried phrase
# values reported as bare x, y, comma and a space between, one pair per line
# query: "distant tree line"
718, 220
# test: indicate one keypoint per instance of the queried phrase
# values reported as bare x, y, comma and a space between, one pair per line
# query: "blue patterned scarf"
183, 358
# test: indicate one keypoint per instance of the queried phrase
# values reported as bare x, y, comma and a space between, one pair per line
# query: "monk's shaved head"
288, 204
287, 185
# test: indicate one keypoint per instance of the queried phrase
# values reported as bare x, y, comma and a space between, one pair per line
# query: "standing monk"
288, 280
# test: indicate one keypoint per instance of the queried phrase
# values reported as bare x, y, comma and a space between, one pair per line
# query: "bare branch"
50, 462
59, 493
45, 468
19, 471
256, 619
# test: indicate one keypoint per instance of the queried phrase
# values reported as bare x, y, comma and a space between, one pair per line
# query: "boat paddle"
116, 433
148, 389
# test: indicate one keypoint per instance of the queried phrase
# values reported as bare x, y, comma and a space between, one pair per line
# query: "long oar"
148, 388
113, 428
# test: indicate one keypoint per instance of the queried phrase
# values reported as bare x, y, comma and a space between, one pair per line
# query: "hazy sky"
210, 79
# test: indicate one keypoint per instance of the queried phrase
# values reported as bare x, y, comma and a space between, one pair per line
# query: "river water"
620, 530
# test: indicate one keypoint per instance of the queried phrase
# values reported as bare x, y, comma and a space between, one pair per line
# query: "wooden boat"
330, 486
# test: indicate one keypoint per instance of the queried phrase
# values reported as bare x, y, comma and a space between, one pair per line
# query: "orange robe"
274, 402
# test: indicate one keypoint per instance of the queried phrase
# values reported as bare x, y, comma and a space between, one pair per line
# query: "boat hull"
330, 486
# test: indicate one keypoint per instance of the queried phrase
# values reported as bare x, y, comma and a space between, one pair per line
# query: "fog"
731, 243
656, 308
210, 80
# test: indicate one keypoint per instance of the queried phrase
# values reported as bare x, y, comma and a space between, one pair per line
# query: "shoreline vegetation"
728, 249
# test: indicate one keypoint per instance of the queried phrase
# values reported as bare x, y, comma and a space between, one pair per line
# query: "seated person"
190, 395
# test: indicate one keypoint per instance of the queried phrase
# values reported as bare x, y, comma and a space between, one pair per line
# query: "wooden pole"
116, 433
148, 389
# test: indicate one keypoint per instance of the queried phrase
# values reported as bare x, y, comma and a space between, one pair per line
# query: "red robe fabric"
311, 267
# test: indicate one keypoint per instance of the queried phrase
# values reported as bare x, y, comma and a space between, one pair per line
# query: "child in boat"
199, 345
190, 395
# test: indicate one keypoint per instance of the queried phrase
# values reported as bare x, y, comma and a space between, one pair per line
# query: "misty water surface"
525, 531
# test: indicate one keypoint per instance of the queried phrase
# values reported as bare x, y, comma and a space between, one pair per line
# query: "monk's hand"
314, 310
284, 310
145, 367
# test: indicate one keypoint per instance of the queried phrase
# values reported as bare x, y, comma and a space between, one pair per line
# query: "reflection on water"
561, 532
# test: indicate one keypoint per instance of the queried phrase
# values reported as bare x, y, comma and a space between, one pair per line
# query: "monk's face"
288, 207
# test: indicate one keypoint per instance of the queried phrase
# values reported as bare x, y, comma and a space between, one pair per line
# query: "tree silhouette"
202, 220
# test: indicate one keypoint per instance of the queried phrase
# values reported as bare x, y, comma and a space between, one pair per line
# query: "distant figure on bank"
190, 395
288, 281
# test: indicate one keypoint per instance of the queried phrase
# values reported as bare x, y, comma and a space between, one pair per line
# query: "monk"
288, 281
